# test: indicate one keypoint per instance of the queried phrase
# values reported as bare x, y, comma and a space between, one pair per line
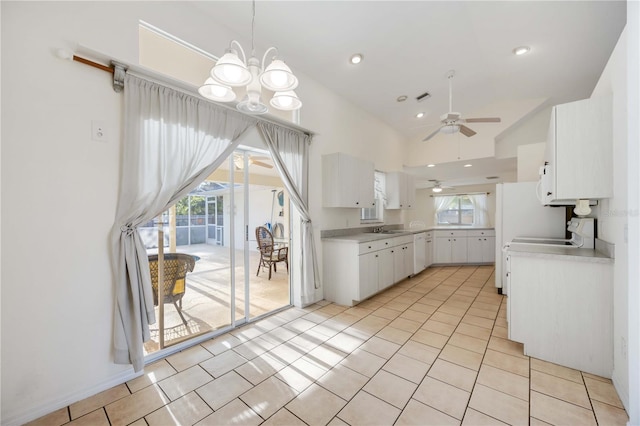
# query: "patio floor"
206, 304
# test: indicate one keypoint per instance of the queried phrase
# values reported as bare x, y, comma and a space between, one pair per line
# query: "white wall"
530, 158
59, 188
613, 213
59, 191
532, 129
633, 203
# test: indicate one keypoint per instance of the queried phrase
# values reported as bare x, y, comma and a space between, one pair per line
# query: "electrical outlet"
99, 131
623, 347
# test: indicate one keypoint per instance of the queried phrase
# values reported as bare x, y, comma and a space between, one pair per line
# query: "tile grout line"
483, 355
407, 286
449, 338
394, 353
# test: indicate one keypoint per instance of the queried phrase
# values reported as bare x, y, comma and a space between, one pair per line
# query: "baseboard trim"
622, 392
65, 400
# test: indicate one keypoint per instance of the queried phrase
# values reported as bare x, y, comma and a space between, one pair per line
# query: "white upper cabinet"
579, 152
400, 189
347, 181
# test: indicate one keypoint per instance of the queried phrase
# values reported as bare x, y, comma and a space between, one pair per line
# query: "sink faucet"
378, 229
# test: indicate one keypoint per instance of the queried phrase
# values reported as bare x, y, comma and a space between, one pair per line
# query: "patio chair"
270, 253
176, 266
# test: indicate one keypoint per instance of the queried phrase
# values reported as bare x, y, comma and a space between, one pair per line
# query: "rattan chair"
176, 266
270, 253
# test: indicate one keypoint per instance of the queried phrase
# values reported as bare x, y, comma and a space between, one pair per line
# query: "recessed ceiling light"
401, 98
431, 165
521, 50
420, 115
468, 165
356, 58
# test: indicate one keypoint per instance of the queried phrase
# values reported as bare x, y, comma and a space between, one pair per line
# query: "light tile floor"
431, 350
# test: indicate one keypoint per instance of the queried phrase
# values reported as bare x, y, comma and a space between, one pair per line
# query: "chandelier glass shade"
215, 91
231, 71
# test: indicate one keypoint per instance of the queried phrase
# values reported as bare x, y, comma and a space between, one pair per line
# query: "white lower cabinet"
562, 310
385, 268
403, 261
354, 271
481, 246
451, 247
368, 275
429, 249
464, 246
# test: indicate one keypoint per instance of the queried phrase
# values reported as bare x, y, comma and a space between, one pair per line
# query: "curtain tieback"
127, 229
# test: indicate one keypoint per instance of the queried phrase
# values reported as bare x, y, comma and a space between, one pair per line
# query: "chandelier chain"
253, 23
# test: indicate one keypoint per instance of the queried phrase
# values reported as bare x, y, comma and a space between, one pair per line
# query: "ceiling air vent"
425, 95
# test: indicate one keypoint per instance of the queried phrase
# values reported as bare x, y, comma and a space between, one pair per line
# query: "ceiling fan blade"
261, 164
466, 131
259, 157
483, 120
237, 161
432, 134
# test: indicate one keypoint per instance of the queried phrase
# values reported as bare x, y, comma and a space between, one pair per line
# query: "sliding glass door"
215, 275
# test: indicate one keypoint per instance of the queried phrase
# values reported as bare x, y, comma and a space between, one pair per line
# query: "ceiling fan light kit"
450, 129
231, 71
452, 122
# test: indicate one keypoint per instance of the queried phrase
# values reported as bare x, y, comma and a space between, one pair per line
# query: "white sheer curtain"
479, 201
172, 142
441, 202
290, 151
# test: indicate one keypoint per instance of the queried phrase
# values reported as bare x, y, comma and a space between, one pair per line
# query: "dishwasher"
419, 252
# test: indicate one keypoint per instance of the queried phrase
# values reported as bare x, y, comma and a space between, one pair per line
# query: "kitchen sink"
388, 232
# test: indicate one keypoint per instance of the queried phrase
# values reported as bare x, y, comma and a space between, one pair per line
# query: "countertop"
563, 253
365, 237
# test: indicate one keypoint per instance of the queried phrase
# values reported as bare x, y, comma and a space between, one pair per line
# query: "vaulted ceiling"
409, 47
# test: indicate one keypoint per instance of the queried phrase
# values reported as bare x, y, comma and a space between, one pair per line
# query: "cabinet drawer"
405, 239
482, 233
452, 233
364, 248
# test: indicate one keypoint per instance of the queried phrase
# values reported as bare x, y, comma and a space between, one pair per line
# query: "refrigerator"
519, 213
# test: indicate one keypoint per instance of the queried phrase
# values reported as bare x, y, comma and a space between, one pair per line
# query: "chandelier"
231, 71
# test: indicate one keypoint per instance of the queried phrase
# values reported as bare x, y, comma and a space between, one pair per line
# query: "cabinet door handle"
549, 193
376, 255
357, 202
392, 251
386, 244
369, 246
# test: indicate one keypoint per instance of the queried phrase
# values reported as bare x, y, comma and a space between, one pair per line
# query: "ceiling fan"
452, 122
437, 186
238, 161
